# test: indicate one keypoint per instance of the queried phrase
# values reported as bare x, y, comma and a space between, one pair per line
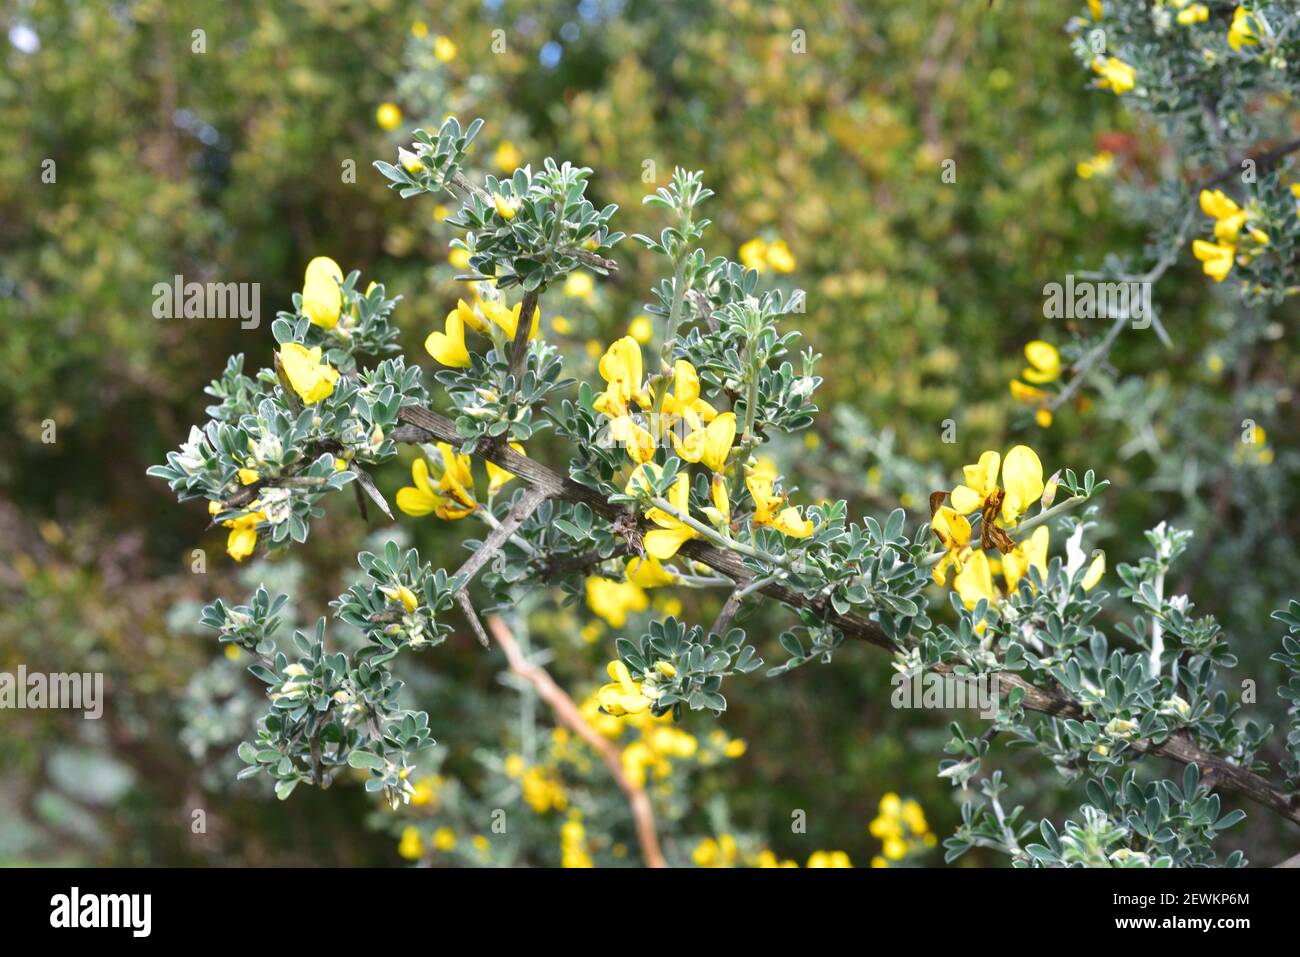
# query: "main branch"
424, 425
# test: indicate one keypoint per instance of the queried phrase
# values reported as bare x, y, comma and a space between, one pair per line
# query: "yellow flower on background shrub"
1216, 260
1116, 75
760, 255
1044, 363
613, 600
829, 859
388, 116
444, 50
507, 157
1102, 164
649, 572
579, 285
411, 845
1241, 32
322, 299
901, 828
309, 375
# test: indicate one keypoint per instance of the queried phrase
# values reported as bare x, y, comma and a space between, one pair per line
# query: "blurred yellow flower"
612, 600
1116, 75
444, 50
1241, 32
507, 157
388, 116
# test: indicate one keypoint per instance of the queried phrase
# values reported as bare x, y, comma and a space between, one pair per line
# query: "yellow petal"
718, 438
1095, 570
322, 299
663, 543
448, 347
1022, 479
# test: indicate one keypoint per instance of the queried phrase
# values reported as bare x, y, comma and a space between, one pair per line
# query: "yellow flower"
710, 444
322, 299
721, 500
1095, 570
1241, 32
685, 397
444, 839
621, 369
1027, 393
641, 329
981, 484
612, 600
829, 859
1116, 75
1022, 478
1216, 260
953, 531
248, 476
499, 478
1094, 8
753, 254
411, 846
448, 347
1100, 165
419, 29
507, 157
779, 257
663, 542
649, 573
766, 502
579, 285
639, 443
506, 208
242, 539
508, 319
623, 695
400, 592
1196, 13
1031, 553
388, 116
1044, 363
454, 497
444, 50
975, 581
309, 375
426, 793
459, 258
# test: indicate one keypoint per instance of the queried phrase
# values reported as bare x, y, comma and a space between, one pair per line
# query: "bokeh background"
228, 165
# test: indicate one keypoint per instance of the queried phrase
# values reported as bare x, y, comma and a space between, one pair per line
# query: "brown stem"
519, 348
425, 425
569, 715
